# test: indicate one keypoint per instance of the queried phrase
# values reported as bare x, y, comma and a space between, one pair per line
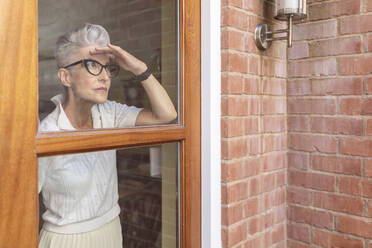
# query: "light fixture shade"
296, 8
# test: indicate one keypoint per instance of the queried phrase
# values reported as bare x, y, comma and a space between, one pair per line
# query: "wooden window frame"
20, 145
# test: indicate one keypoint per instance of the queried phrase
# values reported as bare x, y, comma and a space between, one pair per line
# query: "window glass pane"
131, 192
146, 29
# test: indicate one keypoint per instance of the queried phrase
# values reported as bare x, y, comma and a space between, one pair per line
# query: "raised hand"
124, 59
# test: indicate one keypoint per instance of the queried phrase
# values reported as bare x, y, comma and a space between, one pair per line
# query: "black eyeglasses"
95, 68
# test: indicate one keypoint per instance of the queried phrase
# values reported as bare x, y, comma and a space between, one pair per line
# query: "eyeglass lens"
96, 68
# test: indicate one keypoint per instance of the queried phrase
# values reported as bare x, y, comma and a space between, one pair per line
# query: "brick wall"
254, 130
329, 126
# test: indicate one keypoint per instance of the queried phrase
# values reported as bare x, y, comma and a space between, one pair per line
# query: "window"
21, 145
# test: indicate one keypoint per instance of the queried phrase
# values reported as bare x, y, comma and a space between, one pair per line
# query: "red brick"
231, 214
337, 46
335, 125
369, 6
235, 192
298, 50
274, 86
312, 180
233, 235
299, 195
233, 39
351, 106
234, 18
317, 67
251, 125
349, 185
280, 213
333, 9
321, 238
272, 124
273, 162
268, 182
232, 171
274, 198
254, 6
298, 160
234, 62
356, 24
250, 208
268, 219
312, 106
254, 145
338, 203
251, 86
367, 189
309, 31
356, 146
252, 166
235, 148
231, 83
369, 127
337, 86
232, 127
311, 216
239, 106
274, 142
370, 41
235, 3
369, 82
356, 106
250, 45
254, 65
252, 22
293, 244
273, 68
299, 87
311, 143
355, 226
299, 123
299, 232
368, 169
370, 209
255, 186
278, 235
347, 166
359, 65
255, 225
277, 50
327, 239
274, 105
257, 241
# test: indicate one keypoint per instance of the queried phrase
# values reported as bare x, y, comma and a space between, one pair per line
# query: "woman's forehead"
84, 53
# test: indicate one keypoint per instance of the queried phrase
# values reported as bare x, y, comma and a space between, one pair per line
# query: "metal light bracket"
263, 35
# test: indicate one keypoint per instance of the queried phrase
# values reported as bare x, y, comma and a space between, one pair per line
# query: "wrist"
140, 69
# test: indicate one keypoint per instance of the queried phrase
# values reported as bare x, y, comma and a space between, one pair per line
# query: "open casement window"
21, 145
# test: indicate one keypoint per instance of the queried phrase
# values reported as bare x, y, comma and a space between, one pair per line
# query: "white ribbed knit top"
80, 191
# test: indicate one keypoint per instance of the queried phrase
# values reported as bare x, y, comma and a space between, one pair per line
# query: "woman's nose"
104, 76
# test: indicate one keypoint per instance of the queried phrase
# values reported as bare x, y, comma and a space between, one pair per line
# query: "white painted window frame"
211, 119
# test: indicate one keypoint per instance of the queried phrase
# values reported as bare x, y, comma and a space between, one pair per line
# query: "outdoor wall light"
286, 10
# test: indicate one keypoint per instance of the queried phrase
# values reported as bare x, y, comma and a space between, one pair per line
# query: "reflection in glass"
145, 28
148, 189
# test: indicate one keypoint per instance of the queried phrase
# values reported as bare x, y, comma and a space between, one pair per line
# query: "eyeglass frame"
83, 61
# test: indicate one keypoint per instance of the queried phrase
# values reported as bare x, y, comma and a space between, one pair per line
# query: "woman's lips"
101, 89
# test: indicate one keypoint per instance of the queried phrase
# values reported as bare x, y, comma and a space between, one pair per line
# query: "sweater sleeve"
123, 115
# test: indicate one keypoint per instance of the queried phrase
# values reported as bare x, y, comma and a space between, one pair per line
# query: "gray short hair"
88, 35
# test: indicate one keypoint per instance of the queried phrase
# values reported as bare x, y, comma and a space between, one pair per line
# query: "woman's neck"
79, 113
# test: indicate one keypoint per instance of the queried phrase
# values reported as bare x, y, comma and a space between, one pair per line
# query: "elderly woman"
80, 191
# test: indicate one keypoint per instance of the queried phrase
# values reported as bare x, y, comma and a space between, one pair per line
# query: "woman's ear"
64, 77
